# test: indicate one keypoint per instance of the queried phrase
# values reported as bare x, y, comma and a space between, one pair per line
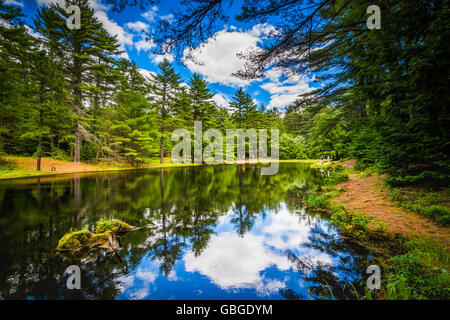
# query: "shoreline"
20, 172
411, 251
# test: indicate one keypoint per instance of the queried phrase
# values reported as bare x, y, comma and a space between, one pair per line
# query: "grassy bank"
21, 167
413, 267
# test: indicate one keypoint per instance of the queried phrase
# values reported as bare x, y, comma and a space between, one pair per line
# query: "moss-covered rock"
105, 233
102, 237
75, 240
115, 226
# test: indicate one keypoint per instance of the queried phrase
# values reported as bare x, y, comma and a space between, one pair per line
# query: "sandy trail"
368, 196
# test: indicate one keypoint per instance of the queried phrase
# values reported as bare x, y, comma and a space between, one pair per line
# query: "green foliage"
439, 213
355, 224
58, 154
317, 201
292, 147
381, 228
6, 165
433, 205
88, 151
242, 109
335, 175
420, 273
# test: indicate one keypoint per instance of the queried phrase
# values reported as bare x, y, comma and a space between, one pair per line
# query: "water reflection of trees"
339, 280
184, 204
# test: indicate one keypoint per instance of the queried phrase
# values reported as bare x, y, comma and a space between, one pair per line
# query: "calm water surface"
222, 232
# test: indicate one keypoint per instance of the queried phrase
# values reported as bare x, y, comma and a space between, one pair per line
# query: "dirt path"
368, 196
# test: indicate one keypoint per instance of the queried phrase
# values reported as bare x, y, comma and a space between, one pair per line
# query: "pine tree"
165, 86
242, 109
81, 49
15, 49
203, 108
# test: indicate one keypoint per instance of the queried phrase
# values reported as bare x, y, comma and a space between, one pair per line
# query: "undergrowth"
415, 268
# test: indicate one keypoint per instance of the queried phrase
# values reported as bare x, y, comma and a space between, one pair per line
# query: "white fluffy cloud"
47, 2
217, 58
158, 58
138, 26
221, 100
124, 38
144, 45
284, 92
151, 14
14, 2
232, 261
146, 73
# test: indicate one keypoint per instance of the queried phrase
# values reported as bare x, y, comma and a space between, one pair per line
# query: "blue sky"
217, 58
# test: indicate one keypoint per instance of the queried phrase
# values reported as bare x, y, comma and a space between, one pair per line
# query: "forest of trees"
384, 99
66, 95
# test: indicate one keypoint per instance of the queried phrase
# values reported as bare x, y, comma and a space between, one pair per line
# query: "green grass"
433, 205
9, 170
10, 174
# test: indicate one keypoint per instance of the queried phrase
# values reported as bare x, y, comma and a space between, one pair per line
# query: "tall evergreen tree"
15, 50
242, 109
81, 48
203, 108
165, 86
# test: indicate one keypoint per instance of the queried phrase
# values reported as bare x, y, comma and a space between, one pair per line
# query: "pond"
221, 232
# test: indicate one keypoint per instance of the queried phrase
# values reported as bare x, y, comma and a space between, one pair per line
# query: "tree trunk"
77, 143
161, 145
41, 121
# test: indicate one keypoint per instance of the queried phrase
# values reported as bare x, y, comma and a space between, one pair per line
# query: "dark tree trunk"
41, 122
77, 143
161, 145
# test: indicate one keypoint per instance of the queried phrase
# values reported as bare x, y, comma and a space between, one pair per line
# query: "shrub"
439, 213
352, 223
420, 273
317, 201
6, 165
336, 178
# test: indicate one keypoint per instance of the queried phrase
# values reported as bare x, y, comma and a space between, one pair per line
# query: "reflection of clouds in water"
173, 276
231, 261
137, 285
285, 232
140, 293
